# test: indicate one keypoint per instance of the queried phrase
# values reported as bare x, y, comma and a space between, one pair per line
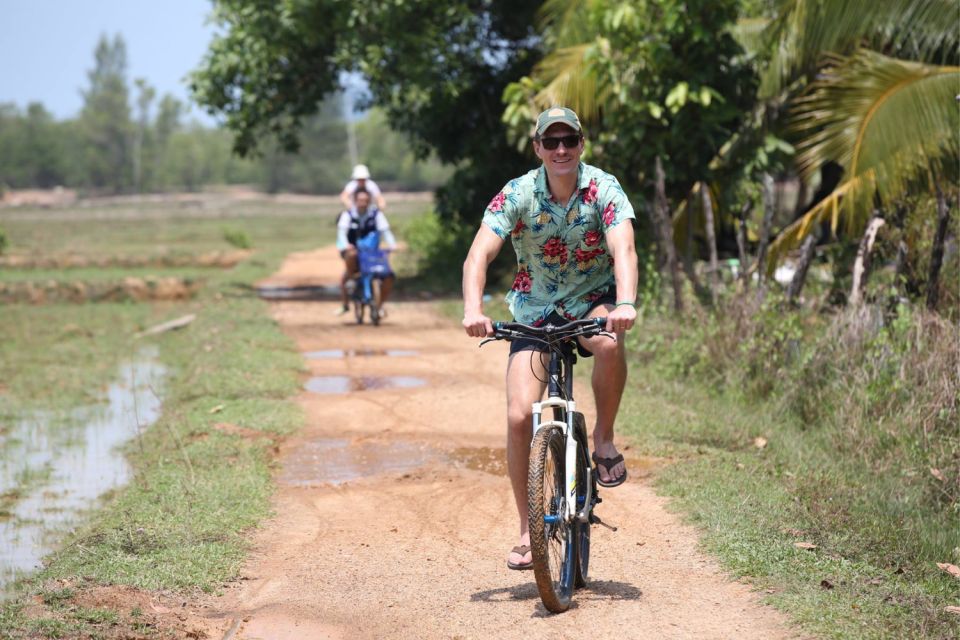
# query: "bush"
237, 238
4, 242
440, 247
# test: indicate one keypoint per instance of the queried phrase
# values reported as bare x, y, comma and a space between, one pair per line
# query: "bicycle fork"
570, 454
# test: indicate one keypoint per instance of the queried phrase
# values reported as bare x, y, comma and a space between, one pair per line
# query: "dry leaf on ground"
759, 442
804, 545
952, 569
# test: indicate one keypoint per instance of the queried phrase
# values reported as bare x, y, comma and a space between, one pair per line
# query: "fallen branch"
170, 325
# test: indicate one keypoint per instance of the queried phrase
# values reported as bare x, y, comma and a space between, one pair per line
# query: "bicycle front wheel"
584, 479
552, 540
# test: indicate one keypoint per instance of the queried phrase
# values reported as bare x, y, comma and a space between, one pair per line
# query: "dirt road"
394, 515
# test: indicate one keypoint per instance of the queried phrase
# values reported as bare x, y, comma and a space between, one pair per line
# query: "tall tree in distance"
145, 96
105, 118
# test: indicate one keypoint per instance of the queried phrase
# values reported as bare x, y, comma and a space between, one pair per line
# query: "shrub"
237, 238
4, 242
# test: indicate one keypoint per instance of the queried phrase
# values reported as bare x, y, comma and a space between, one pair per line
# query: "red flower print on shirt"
517, 230
585, 258
609, 214
497, 203
522, 282
590, 193
555, 251
591, 238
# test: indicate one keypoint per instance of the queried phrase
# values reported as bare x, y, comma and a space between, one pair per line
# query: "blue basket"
374, 262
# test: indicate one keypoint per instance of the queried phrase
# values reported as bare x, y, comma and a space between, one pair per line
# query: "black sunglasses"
569, 141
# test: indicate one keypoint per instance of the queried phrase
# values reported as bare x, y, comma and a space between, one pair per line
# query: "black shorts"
529, 344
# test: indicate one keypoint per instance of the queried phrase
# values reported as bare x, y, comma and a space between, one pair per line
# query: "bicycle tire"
584, 477
358, 311
552, 544
375, 303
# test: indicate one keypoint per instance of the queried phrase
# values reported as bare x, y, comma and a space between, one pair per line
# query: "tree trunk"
688, 252
711, 240
765, 229
936, 252
861, 265
807, 251
742, 246
661, 220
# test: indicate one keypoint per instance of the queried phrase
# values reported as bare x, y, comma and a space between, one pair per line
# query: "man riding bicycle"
570, 226
354, 224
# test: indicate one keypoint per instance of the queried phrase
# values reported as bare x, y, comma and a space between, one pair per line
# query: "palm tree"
876, 95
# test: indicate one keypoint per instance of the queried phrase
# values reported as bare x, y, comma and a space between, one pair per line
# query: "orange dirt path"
393, 514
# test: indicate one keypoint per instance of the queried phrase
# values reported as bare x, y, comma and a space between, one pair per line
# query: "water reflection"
333, 354
53, 468
348, 384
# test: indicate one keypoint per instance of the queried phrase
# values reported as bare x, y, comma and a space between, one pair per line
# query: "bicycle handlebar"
549, 333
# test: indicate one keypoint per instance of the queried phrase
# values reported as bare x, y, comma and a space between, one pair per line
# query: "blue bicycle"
368, 285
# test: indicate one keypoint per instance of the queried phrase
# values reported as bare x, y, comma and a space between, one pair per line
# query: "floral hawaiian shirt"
563, 263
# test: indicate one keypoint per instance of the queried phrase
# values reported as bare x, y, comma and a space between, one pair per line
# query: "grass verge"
179, 525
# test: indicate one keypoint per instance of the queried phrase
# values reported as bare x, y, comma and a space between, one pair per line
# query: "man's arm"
624, 253
346, 198
486, 246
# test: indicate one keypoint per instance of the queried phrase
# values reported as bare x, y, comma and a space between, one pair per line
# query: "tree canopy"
436, 68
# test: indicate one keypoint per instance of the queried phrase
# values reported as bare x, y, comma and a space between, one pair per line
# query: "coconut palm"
890, 123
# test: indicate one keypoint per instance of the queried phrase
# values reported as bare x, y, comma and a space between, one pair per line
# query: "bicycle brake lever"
486, 340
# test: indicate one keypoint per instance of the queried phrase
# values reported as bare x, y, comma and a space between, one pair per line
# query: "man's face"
561, 160
363, 201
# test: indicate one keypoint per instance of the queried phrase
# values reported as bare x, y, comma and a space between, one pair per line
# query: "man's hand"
621, 318
477, 325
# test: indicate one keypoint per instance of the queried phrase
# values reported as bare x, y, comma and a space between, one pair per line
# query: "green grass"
873, 572
181, 524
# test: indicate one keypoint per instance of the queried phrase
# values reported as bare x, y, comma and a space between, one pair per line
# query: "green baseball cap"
554, 115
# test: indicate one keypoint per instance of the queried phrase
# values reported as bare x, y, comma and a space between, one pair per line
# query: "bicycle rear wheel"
552, 540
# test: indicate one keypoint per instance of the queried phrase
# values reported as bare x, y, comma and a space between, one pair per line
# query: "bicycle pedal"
596, 520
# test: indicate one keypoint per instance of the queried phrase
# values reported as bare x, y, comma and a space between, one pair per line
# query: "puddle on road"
68, 464
337, 460
306, 292
348, 384
334, 354
486, 459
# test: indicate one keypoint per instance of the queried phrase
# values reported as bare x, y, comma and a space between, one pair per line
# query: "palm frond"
827, 209
871, 112
569, 80
750, 34
804, 30
564, 21
886, 122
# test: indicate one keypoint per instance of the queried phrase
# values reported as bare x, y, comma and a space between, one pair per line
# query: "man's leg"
350, 267
608, 381
386, 287
525, 371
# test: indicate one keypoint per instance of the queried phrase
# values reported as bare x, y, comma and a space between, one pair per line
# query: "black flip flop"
608, 464
520, 550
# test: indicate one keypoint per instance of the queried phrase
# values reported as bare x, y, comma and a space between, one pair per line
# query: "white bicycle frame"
570, 457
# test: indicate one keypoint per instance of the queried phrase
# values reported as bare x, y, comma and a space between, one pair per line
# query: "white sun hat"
360, 172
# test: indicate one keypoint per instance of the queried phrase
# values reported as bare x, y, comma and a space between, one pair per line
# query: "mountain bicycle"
562, 484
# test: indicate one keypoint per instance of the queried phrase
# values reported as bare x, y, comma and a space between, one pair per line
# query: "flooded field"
55, 467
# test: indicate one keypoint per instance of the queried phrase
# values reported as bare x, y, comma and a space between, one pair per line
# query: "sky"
46, 47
